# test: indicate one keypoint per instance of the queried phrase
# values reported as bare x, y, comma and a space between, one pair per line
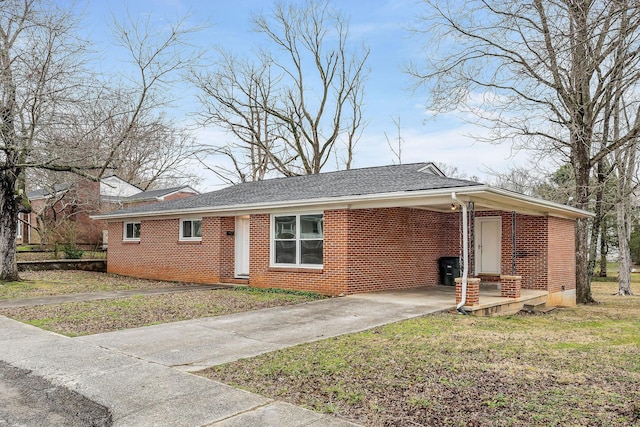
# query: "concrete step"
533, 306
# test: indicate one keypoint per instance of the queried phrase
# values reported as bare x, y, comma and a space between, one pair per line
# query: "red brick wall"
562, 260
331, 279
398, 248
227, 247
545, 256
364, 250
160, 255
532, 238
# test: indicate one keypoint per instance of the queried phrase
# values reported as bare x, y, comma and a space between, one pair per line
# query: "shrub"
72, 252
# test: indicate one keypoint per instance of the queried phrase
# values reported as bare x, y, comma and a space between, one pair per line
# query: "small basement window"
132, 230
191, 229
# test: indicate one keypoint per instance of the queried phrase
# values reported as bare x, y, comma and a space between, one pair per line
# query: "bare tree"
395, 145
297, 104
139, 140
520, 179
157, 157
55, 114
538, 74
626, 169
38, 55
61, 217
233, 97
623, 115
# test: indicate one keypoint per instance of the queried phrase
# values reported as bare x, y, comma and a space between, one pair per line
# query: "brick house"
348, 232
69, 205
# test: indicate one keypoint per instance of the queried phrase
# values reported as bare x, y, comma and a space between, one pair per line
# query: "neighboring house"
162, 195
65, 209
347, 232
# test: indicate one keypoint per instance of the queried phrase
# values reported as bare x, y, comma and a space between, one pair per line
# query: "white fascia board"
398, 199
420, 198
518, 201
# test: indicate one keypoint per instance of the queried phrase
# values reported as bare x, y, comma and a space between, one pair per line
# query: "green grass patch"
276, 291
574, 366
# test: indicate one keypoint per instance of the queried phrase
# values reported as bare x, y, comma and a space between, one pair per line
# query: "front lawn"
575, 367
63, 282
91, 317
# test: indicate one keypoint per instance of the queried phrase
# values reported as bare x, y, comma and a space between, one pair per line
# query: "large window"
191, 229
132, 231
297, 239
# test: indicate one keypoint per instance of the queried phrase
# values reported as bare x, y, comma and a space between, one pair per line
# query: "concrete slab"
199, 343
138, 387
70, 359
129, 371
15, 350
279, 414
137, 393
197, 409
12, 330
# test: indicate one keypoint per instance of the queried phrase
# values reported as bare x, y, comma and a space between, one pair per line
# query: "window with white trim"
191, 229
297, 239
19, 227
132, 231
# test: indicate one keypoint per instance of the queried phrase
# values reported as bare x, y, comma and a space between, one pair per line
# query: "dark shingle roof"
353, 182
46, 192
154, 194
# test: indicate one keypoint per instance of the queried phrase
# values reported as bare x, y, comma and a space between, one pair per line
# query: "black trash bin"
449, 270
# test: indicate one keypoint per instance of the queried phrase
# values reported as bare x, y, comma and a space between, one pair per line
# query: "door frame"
477, 242
241, 251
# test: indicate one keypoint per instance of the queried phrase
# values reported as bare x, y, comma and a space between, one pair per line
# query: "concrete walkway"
133, 372
196, 344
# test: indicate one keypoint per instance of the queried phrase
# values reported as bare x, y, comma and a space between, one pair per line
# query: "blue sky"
380, 24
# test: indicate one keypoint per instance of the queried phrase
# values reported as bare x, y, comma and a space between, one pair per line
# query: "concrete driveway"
196, 344
138, 373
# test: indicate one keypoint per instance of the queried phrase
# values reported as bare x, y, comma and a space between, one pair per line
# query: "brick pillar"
510, 286
473, 291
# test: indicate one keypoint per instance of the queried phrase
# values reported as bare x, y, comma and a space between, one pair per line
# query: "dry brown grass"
92, 317
64, 282
573, 367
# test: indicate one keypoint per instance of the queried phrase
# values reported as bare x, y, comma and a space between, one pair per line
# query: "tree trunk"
583, 273
604, 250
583, 279
598, 225
624, 272
8, 226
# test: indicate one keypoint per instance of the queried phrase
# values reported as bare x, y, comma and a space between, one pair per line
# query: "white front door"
242, 247
488, 244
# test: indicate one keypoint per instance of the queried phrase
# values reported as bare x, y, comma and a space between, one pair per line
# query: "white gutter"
465, 253
366, 200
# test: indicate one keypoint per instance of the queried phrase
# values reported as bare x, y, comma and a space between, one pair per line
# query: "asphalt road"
27, 400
